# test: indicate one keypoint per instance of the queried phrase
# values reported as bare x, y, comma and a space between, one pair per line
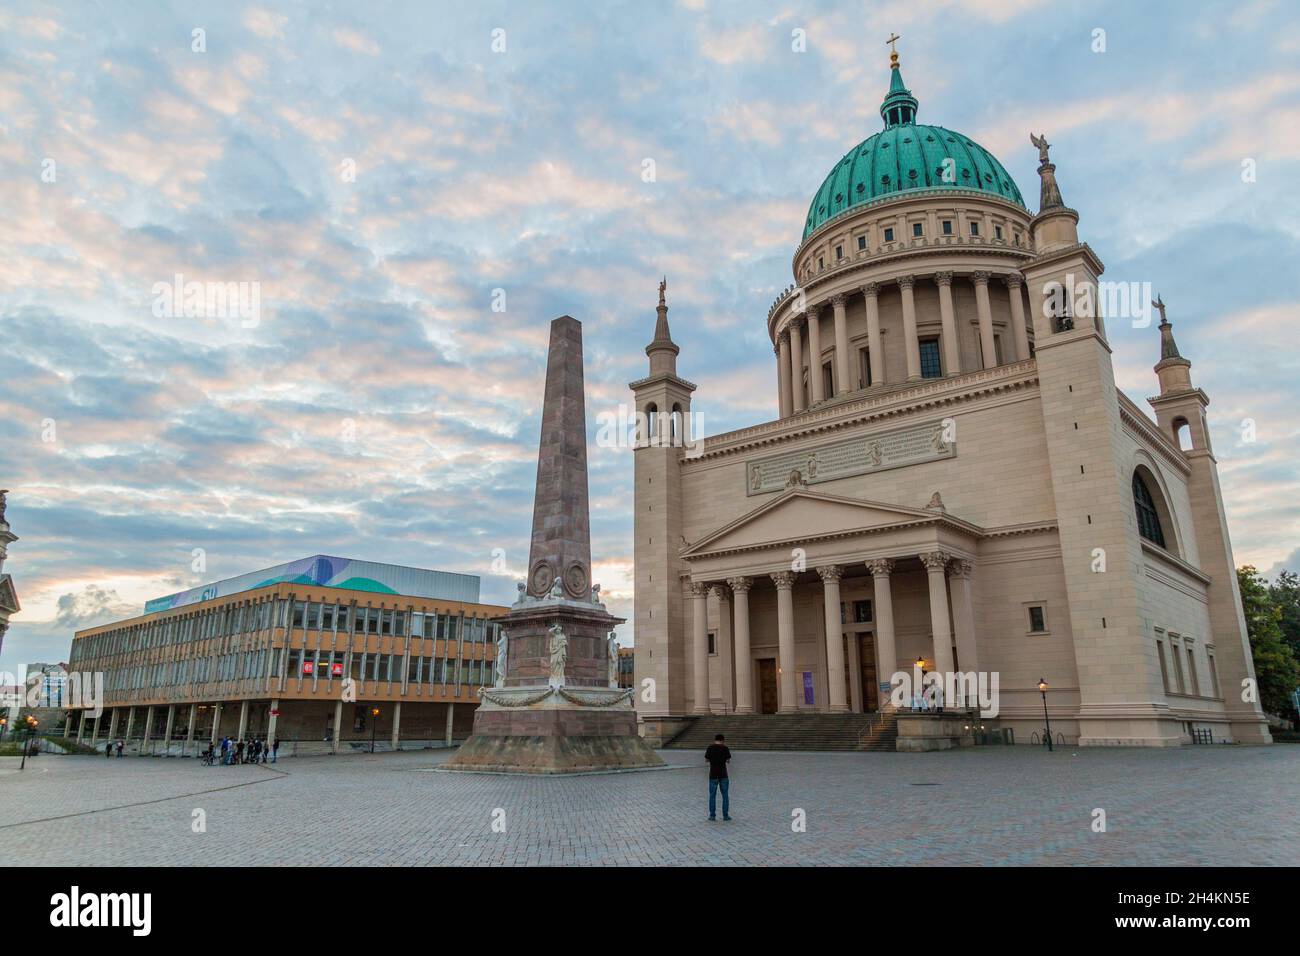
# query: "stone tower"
556, 706
1100, 546
663, 408
8, 594
1179, 405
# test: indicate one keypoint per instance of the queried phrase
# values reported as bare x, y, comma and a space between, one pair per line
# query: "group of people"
111, 746
248, 751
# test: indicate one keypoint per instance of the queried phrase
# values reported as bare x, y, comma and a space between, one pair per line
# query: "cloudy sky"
381, 170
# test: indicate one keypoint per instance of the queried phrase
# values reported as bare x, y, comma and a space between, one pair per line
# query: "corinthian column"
905, 284
784, 581
875, 351
842, 381
936, 564
796, 363
963, 615
948, 318
815, 390
886, 654
700, 646
744, 666
987, 346
783, 375
1018, 316
830, 576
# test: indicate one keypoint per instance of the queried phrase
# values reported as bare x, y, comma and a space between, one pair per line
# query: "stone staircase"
791, 732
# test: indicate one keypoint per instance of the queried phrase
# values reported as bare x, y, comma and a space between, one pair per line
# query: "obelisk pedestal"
554, 709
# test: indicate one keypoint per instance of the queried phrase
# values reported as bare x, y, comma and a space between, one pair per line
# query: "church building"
954, 484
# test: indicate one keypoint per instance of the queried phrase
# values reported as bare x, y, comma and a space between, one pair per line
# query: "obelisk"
556, 706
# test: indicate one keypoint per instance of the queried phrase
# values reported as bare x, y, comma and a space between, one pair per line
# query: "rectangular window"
828, 380
1164, 674
974, 228
889, 234
930, 364
861, 612
918, 230
821, 263
1178, 669
1191, 672
864, 367
947, 227
1037, 620
862, 243
997, 232
713, 647
1214, 676
297, 613
839, 252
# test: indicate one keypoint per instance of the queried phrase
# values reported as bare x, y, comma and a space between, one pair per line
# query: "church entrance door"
870, 683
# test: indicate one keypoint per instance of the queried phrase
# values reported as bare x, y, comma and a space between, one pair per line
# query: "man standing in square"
717, 755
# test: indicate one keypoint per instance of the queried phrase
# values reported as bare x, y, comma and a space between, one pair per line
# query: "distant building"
626, 662
8, 594
303, 652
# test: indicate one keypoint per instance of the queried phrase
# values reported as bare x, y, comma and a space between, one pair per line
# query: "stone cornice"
1168, 557
662, 377
890, 404
937, 521
1142, 428
1066, 252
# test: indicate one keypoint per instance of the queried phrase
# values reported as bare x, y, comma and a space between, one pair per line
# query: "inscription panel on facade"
913, 445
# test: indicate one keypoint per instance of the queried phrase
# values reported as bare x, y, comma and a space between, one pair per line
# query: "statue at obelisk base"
556, 706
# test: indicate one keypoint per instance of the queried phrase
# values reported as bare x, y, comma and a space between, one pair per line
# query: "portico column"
830, 575
783, 374
744, 666
94, 730
842, 381
905, 284
875, 351
948, 319
147, 739
81, 727
171, 722
338, 725
987, 345
1018, 326
963, 616
700, 646
784, 581
723, 596
451, 725
216, 723
936, 564
397, 723
194, 716
855, 675
796, 364
112, 726
815, 384
886, 652
243, 719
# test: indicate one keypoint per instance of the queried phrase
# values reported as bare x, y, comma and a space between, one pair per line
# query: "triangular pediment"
8, 595
799, 515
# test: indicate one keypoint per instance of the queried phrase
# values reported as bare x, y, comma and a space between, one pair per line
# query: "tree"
1285, 592
1276, 668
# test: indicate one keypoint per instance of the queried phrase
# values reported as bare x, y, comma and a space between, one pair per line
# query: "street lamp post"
1042, 689
32, 724
374, 721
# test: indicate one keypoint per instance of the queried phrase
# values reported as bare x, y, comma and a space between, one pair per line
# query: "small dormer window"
974, 228
917, 230
889, 235
947, 227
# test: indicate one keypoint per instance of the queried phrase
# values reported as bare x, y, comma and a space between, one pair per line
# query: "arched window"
1147, 517
651, 423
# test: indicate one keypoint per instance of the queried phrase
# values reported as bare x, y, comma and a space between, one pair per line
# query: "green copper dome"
905, 157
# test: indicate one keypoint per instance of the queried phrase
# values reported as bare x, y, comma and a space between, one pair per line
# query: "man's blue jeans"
714, 784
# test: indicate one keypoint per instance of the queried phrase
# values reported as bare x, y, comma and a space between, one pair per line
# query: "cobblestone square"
1194, 806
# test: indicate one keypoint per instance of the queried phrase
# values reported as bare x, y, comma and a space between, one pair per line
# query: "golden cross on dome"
894, 38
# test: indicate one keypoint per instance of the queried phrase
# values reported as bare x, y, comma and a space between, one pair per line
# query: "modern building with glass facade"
279, 654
